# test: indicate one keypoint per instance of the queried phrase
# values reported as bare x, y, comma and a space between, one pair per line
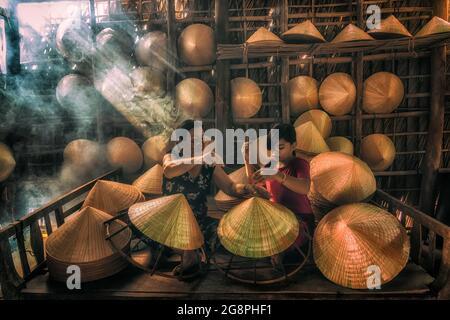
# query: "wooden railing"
430, 239
26, 233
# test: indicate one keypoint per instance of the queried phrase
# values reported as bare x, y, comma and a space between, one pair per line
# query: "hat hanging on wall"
351, 33
197, 45
124, 153
262, 36
303, 94
390, 28
246, 97
383, 93
337, 94
304, 32
320, 118
378, 151
309, 139
194, 98
340, 144
7, 162
434, 26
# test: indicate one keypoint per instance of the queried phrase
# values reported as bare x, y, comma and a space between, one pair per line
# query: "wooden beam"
432, 158
172, 47
359, 76
285, 106
222, 67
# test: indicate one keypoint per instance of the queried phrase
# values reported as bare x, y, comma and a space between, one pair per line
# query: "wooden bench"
23, 273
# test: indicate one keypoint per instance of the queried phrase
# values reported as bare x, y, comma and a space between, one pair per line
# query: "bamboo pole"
432, 158
286, 115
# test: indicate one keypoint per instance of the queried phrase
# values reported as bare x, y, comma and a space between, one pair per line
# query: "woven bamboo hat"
197, 45
390, 28
304, 32
154, 149
340, 144
84, 154
7, 162
246, 97
124, 153
224, 201
262, 36
320, 119
258, 228
351, 33
151, 181
148, 81
169, 221
352, 238
378, 151
383, 93
319, 205
434, 26
194, 98
151, 50
81, 242
341, 178
337, 94
303, 94
112, 197
309, 139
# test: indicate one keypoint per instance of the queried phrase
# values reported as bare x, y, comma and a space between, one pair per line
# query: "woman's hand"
249, 190
259, 178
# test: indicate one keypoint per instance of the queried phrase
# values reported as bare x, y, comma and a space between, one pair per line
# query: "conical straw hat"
341, 178
435, 25
337, 94
383, 93
7, 162
309, 139
305, 32
303, 94
197, 45
351, 239
246, 97
258, 228
151, 181
84, 155
319, 205
340, 144
390, 28
194, 98
378, 151
169, 221
112, 197
264, 36
81, 241
351, 33
154, 149
320, 119
238, 176
124, 153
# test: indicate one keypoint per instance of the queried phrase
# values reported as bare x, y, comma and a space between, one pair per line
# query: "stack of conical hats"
258, 228
305, 32
340, 144
383, 93
303, 94
337, 94
434, 26
262, 36
353, 239
390, 28
168, 220
340, 179
225, 202
151, 181
7, 162
351, 33
378, 151
81, 242
246, 97
112, 197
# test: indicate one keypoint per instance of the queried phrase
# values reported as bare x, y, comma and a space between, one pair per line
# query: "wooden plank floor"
309, 283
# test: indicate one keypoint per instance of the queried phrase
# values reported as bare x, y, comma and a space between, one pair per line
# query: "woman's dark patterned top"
195, 189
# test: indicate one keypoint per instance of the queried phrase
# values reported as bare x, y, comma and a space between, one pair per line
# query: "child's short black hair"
286, 131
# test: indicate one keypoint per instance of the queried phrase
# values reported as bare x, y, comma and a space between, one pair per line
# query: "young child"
290, 185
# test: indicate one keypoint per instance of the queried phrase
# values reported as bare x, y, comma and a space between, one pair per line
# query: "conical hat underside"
112, 197
305, 32
168, 220
435, 25
337, 94
351, 33
390, 28
151, 181
319, 118
264, 36
378, 151
383, 93
7, 162
341, 178
238, 176
258, 228
82, 239
351, 238
309, 139
340, 144
303, 94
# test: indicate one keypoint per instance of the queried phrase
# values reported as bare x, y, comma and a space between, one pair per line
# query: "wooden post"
172, 47
12, 40
222, 67
433, 155
285, 106
359, 75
